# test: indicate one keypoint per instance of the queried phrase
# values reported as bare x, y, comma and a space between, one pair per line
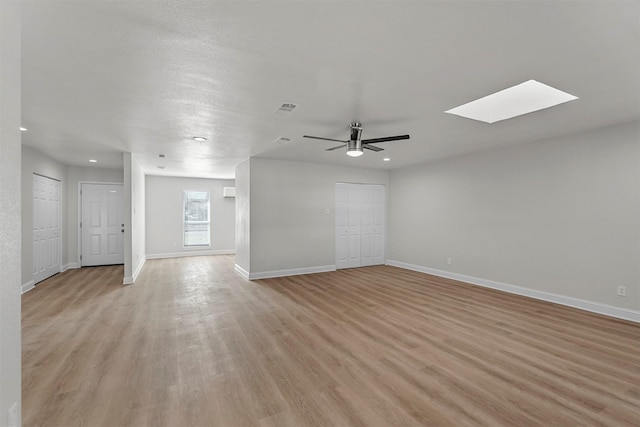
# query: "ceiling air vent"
286, 109
282, 140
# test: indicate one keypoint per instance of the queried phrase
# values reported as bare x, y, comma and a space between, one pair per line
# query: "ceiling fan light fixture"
354, 148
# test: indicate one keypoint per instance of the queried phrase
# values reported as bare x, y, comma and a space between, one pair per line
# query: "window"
196, 218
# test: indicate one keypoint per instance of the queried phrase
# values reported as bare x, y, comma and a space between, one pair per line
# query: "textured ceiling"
103, 77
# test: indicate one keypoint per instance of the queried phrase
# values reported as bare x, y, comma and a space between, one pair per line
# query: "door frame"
79, 209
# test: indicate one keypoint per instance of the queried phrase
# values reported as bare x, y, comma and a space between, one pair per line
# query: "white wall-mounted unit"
228, 192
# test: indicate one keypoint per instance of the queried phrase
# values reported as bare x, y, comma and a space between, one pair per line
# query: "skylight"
515, 101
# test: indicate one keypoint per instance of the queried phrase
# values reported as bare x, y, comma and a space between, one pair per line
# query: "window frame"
186, 222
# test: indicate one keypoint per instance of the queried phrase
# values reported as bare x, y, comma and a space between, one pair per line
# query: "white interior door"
102, 229
342, 225
378, 220
354, 235
360, 225
46, 228
366, 224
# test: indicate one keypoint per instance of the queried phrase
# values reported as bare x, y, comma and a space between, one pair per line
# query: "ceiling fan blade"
385, 139
324, 139
334, 148
372, 147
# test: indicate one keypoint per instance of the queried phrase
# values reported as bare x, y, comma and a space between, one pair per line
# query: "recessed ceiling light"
386, 159
515, 101
23, 129
199, 138
93, 160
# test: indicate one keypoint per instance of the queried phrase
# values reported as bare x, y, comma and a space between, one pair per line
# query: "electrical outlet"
13, 415
622, 291
449, 261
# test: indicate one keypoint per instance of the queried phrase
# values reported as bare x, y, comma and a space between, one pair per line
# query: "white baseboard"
69, 266
605, 309
26, 287
244, 273
130, 280
290, 272
191, 253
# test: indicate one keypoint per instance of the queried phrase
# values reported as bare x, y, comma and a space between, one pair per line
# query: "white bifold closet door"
46, 228
360, 225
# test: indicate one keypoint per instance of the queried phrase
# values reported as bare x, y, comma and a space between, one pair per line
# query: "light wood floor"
194, 344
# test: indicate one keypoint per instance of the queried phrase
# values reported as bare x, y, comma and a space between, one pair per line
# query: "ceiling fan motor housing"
356, 131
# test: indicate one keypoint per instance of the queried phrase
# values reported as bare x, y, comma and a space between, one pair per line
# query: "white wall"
243, 217
10, 227
559, 216
75, 175
34, 161
290, 226
127, 208
164, 219
138, 218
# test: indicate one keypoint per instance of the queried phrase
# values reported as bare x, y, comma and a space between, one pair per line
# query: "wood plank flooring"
194, 344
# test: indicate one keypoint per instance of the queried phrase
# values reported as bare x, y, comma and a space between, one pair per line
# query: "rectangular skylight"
515, 101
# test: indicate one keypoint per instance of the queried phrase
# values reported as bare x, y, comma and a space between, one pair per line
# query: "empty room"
320, 213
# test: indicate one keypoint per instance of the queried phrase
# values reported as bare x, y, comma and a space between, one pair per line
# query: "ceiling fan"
355, 144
